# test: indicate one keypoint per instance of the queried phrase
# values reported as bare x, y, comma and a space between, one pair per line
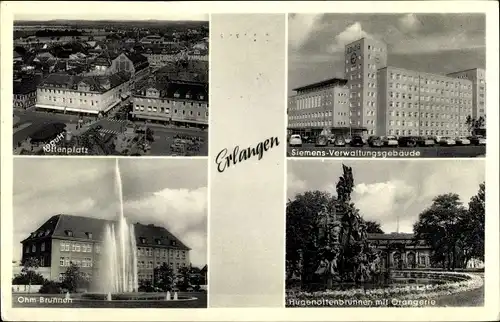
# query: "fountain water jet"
119, 271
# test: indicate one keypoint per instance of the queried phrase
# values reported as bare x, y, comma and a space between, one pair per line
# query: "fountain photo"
385, 234
110, 233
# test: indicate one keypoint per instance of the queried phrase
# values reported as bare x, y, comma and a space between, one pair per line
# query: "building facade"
165, 101
319, 105
65, 239
415, 103
82, 94
478, 78
402, 250
24, 91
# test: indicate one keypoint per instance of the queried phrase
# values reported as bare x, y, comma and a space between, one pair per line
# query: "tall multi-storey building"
362, 60
82, 94
415, 103
66, 239
320, 105
478, 78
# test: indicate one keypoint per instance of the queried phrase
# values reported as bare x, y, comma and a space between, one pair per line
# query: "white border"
489, 312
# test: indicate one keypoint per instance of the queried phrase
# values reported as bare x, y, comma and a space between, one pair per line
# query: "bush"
50, 287
146, 286
28, 278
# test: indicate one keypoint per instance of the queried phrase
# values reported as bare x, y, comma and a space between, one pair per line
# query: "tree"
164, 277
74, 279
473, 226
185, 281
373, 227
28, 274
302, 225
440, 226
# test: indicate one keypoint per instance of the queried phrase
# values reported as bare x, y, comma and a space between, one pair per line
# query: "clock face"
353, 59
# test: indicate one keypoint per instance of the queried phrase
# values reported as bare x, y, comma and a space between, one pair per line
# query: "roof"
392, 236
27, 85
47, 132
331, 81
175, 90
59, 225
185, 71
97, 83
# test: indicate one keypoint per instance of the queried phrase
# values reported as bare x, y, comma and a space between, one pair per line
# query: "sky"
151, 15
387, 189
168, 193
434, 43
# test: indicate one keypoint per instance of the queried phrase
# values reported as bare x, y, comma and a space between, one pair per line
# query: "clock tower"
363, 58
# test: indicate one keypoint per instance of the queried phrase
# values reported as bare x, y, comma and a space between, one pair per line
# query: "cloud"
295, 185
181, 211
409, 22
383, 199
300, 27
438, 43
351, 33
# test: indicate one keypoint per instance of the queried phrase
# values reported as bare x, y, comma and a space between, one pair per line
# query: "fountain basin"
408, 288
133, 296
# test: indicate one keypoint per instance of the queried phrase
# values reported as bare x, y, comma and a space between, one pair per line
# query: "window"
43, 247
69, 233
33, 248
89, 235
61, 261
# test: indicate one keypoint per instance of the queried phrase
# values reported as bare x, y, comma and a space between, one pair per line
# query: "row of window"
426, 123
425, 132
323, 123
316, 115
416, 88
165, 110
448, 108
147, 251
427, 115
430, 98
63, 100
428, 81
33, 248
149, 264
53, 91
78, 247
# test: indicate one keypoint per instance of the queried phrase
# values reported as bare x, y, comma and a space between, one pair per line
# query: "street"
31, 121
309, 150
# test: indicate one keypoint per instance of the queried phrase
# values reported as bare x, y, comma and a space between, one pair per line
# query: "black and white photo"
386, 85
409, 235
108, 233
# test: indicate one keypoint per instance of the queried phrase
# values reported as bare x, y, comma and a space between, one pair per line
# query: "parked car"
339, 140
407, 141
357, 140
390, 140
321, 140
425, 141
375, 142
446, 141
462, 141
295, 140
477, 140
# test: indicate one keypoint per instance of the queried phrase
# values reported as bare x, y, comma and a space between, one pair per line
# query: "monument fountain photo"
332, 260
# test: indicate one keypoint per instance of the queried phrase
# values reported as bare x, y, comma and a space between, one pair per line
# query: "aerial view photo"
110, 87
